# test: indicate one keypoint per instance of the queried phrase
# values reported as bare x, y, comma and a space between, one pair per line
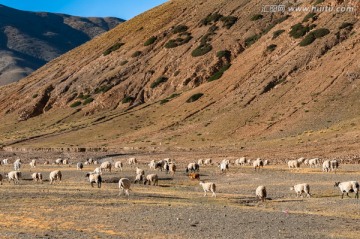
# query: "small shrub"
88, 100
201, 50
173, 96
75, 104
321, 32
213, 29
271, 47
102, 89
82, 96
346, 25
179, 29
298, 31
251, 40
127, 99
136, 54
34, 96
158, 81
178, 41
212, 17
123, 63
225, 53
256, 17
217, 75
164, 101
309, 16
150, 41
228, 21
176, 73
274, 23
194, 97
113, 48
277, 33
310, 38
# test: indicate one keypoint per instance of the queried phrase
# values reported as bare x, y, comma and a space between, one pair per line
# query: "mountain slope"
133, 86
28, 40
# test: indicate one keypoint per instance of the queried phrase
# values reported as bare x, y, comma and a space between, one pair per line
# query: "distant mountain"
28, 40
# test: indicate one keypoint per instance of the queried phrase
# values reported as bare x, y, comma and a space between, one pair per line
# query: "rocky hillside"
204, 74
28, 40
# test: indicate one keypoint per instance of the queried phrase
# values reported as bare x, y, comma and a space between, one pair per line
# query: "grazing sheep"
46, 162
348, 187
95, 162
14, 176
124, 186
172, 169
266, 162
167, 160
32, 163
58, 161
94, 178
97, 170
201, 162
258, 163
118, 165
224, 166
301, 160
326, 166
334, 164
160, 165
314, 162
261, 193
140, 171
5, 161
17, 165
152, 178
37, 177
301, 188
240, 161
166, 167
152, 164
207, 161
192, 167
293, 164
306, 162
132, 161
90, 161
208, 187
106, 166
55, 175
194, 176
79, 166
138, 178
65, 162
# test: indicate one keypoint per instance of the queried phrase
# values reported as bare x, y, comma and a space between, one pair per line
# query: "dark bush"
194, 97
103, 89
225, 53
212, 17
164, 101
82, 96
274, 23
127, 99
346, 25
179, 29
201, 50
298, 30
251, 40
217, 75
171, 44
150, 41
75, 104
321, 32
310, 38
123, 63
158, 81
35, 95
228, 21
113, 48
256, 17
136, 54
271, 47
309, 16
213, 29
178, 41
88, 100
277, 33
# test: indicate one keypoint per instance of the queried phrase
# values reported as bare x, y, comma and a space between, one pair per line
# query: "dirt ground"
176, 208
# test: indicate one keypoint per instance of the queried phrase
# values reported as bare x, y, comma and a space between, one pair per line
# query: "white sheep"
94, 178
266, 162
124, 186
334, 164
258, 163
300, 160
201, 162
261, 193
292, 164
224, 166
65, 162
208, 187
152, 164
140, 171
326, 166
5, 161
106, 166
97, 170
152, 178
347, 187
192, 167
301, 188
79, 166
314, 162
32, 163
207, 161
132, 161
55, 175
240, 161
118, 165
37, 177
172, 169
46, 162
14, 176
17, 165
306, 162
138, 178
58, 161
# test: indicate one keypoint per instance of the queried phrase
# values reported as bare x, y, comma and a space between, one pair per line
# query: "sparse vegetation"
271, 48
228, 21
321, 32
312, 36
194, 97
298, 30
225, 53
256, 17
164, 101
34, 96
346, 25
201, 50
251, 40
136, 54
277, 33
75, 104
178, 41
102, 89
217, 75
150, 41
88, 100
113, 48
82, 96
274, 23
158, 81
309, 16
123, 63
179, 29
212, 17
127, 99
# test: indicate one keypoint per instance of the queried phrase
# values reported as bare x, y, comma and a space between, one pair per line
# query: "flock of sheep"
192, 170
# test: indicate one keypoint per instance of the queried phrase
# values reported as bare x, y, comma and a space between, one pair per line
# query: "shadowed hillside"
28, 40
200, 74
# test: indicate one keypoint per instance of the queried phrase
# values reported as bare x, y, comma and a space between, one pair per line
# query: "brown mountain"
28, 40
201, 74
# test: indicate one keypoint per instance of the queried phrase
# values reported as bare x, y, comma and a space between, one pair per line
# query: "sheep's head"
87, 175
336, 184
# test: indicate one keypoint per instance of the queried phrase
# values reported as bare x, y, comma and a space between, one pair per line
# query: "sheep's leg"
347, 194
204, 193
92, 184
342, 195
213, 194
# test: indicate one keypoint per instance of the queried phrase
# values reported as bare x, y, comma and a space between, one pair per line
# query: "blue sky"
125, 9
